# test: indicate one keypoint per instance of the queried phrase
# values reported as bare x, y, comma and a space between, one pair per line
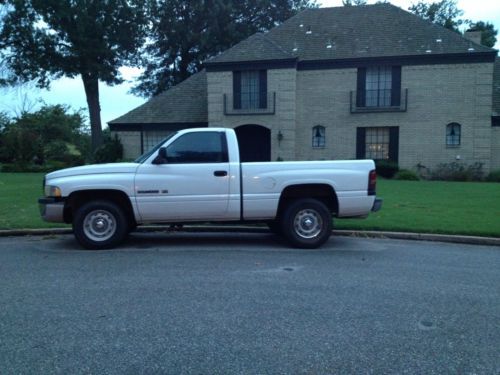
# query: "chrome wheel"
99, 225
308, 223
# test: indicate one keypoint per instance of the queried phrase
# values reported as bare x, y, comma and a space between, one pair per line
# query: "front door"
192, 184
254, 142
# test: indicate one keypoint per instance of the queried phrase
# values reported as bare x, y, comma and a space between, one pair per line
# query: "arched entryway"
255, 143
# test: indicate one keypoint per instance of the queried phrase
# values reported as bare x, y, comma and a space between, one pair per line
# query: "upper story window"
318, 136
250, 89
379, 87
202, 147
453, 131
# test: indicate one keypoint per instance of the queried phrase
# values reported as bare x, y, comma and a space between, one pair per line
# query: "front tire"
307, 223
100, 225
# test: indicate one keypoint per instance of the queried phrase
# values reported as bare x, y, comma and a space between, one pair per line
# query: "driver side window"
201, 147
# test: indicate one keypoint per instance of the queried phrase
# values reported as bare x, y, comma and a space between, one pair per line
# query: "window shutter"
263, 89
360, 143
394, 143
396, 86
236, 90
361, 88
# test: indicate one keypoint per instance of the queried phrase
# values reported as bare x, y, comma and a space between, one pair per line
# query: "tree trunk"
91, 85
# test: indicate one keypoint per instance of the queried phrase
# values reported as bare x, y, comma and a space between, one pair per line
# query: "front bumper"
377, 204
51, 209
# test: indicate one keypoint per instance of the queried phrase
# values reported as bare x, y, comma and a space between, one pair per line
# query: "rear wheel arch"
321, 192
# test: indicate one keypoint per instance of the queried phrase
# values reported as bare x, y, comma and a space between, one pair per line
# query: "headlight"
52, 191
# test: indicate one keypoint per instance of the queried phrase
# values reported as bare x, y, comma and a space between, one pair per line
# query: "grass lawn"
471, 208
19, 193
412, 206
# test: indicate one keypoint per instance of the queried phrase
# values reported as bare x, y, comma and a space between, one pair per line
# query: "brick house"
340, 83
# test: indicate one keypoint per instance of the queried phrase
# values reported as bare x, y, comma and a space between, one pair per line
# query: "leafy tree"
444, 13
184, 33
348, 3
488, 32
4, 121
46, 39
51, 132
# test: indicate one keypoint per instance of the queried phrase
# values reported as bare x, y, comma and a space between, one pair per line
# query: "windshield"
145, 156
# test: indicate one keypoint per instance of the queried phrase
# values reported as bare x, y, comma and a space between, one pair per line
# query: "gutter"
471, 240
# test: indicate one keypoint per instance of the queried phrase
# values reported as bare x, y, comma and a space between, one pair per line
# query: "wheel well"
79, 198
322, 192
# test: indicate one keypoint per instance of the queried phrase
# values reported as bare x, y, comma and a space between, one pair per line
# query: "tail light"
372, 182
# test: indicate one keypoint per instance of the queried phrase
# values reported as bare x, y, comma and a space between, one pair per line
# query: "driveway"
172, 303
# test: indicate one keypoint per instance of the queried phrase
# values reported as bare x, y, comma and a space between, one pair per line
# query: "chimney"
473, 36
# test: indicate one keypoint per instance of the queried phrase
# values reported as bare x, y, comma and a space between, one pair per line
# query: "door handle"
220, 173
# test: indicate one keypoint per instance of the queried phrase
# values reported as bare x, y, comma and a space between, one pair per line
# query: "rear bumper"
51, 209
377, 204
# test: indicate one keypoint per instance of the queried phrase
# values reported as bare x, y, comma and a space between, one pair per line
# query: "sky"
116, 100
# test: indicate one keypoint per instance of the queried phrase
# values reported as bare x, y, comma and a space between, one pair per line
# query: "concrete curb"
472, 240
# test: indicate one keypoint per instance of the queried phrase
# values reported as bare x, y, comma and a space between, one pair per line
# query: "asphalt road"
224, 303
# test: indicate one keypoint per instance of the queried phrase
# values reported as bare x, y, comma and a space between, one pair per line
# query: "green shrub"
63, 154
405, 174
54, 165
49, 166
493, 176
457, 172
110, 152
386, 168
23, 167
55, 150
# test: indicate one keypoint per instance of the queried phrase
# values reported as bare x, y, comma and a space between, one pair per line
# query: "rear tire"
100, 225
306, 223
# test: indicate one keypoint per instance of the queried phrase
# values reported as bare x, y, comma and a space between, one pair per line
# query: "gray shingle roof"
353, 32
256, 47
186, 102
379, 30
496, 88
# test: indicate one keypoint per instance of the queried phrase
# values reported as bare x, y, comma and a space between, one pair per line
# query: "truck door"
192, 184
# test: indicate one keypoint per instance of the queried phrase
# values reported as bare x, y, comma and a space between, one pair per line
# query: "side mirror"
162, 157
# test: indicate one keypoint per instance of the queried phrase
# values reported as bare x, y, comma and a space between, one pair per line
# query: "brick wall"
281, 81
437, 96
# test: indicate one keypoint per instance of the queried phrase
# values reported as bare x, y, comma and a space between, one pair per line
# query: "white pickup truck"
195, 175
